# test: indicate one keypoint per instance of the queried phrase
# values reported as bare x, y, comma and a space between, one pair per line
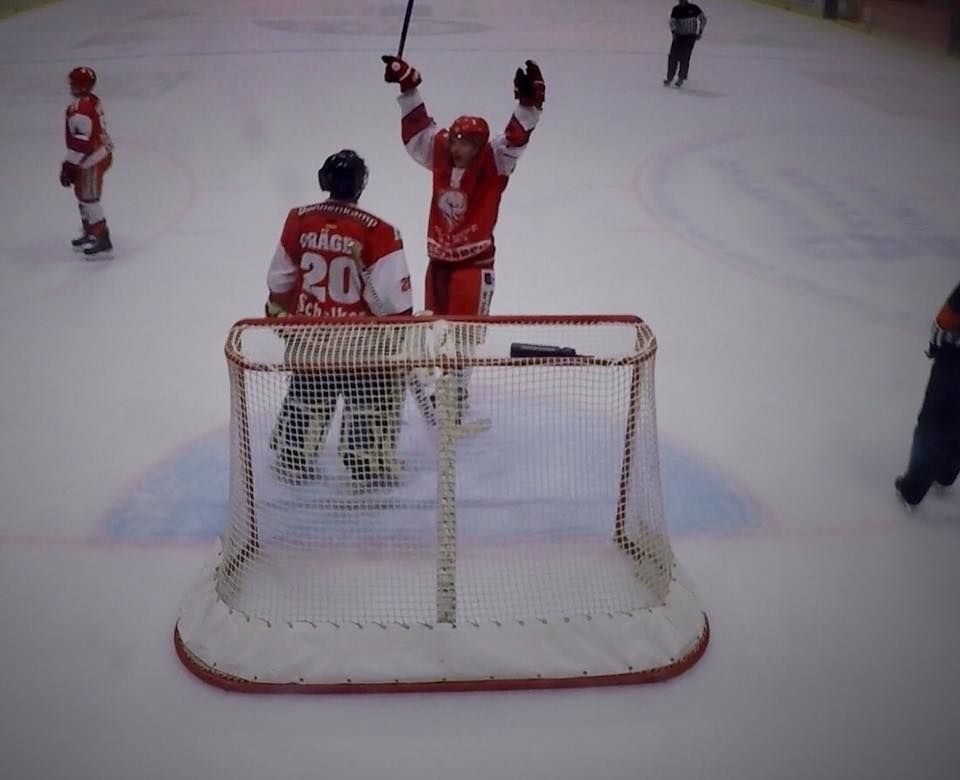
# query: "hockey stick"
403, 31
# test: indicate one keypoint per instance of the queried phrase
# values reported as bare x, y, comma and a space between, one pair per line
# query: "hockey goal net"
424, 503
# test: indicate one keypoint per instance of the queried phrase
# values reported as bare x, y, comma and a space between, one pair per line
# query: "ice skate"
463, 420
80, 243
468, 420
374, 483
364, 480
680, 82
667, 82
100, 248
293, 474
946, 479
909, 496
942, 488
463, 403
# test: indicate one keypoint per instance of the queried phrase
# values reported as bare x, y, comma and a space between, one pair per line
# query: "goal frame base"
227, 649
239, 685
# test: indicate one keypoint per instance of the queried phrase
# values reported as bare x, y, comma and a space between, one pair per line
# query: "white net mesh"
414, 473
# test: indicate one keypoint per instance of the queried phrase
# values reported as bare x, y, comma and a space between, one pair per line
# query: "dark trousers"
680, 51
935, 452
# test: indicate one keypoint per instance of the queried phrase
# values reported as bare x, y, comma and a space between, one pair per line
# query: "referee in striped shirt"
935, 451
686, 24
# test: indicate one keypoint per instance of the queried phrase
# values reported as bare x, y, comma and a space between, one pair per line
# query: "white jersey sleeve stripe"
527, 116
505, 154
420, 146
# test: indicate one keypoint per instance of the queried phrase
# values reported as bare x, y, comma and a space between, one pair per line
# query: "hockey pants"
935, 452
680, 51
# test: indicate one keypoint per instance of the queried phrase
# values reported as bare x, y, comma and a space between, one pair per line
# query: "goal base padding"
230, 650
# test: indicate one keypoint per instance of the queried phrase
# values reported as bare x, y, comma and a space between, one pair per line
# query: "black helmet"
343, 175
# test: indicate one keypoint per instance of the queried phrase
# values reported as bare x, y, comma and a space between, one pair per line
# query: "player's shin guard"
368, 438
297, 437
92, 216
469, 337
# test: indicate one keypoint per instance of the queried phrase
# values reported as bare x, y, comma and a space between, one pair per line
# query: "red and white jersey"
88, 142
336, 260
466, 201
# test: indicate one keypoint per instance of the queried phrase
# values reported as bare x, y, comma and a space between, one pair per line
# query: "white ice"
787, 223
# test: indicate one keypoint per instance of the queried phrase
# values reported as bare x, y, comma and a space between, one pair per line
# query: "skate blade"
910, 508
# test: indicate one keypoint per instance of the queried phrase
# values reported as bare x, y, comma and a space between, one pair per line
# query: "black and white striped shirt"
687, 19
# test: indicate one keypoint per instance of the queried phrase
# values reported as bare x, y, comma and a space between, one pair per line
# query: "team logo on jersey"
453, 205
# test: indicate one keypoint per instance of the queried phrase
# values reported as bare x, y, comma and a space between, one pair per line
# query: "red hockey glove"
68, 174
399, 72
529, 87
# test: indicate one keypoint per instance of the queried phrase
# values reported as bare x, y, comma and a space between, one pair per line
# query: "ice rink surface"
786, 223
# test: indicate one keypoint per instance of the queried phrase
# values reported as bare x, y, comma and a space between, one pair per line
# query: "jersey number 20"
338, 278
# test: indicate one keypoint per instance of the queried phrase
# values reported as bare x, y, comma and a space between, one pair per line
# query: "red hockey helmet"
82, 80
470, 128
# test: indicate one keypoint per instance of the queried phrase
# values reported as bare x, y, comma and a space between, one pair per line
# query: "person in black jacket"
935, 454
686, 25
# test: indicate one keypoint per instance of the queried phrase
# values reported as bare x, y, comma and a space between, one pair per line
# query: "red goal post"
511, 534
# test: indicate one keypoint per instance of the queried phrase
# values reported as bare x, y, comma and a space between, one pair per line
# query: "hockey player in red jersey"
89, 155
470, 172
335, 259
